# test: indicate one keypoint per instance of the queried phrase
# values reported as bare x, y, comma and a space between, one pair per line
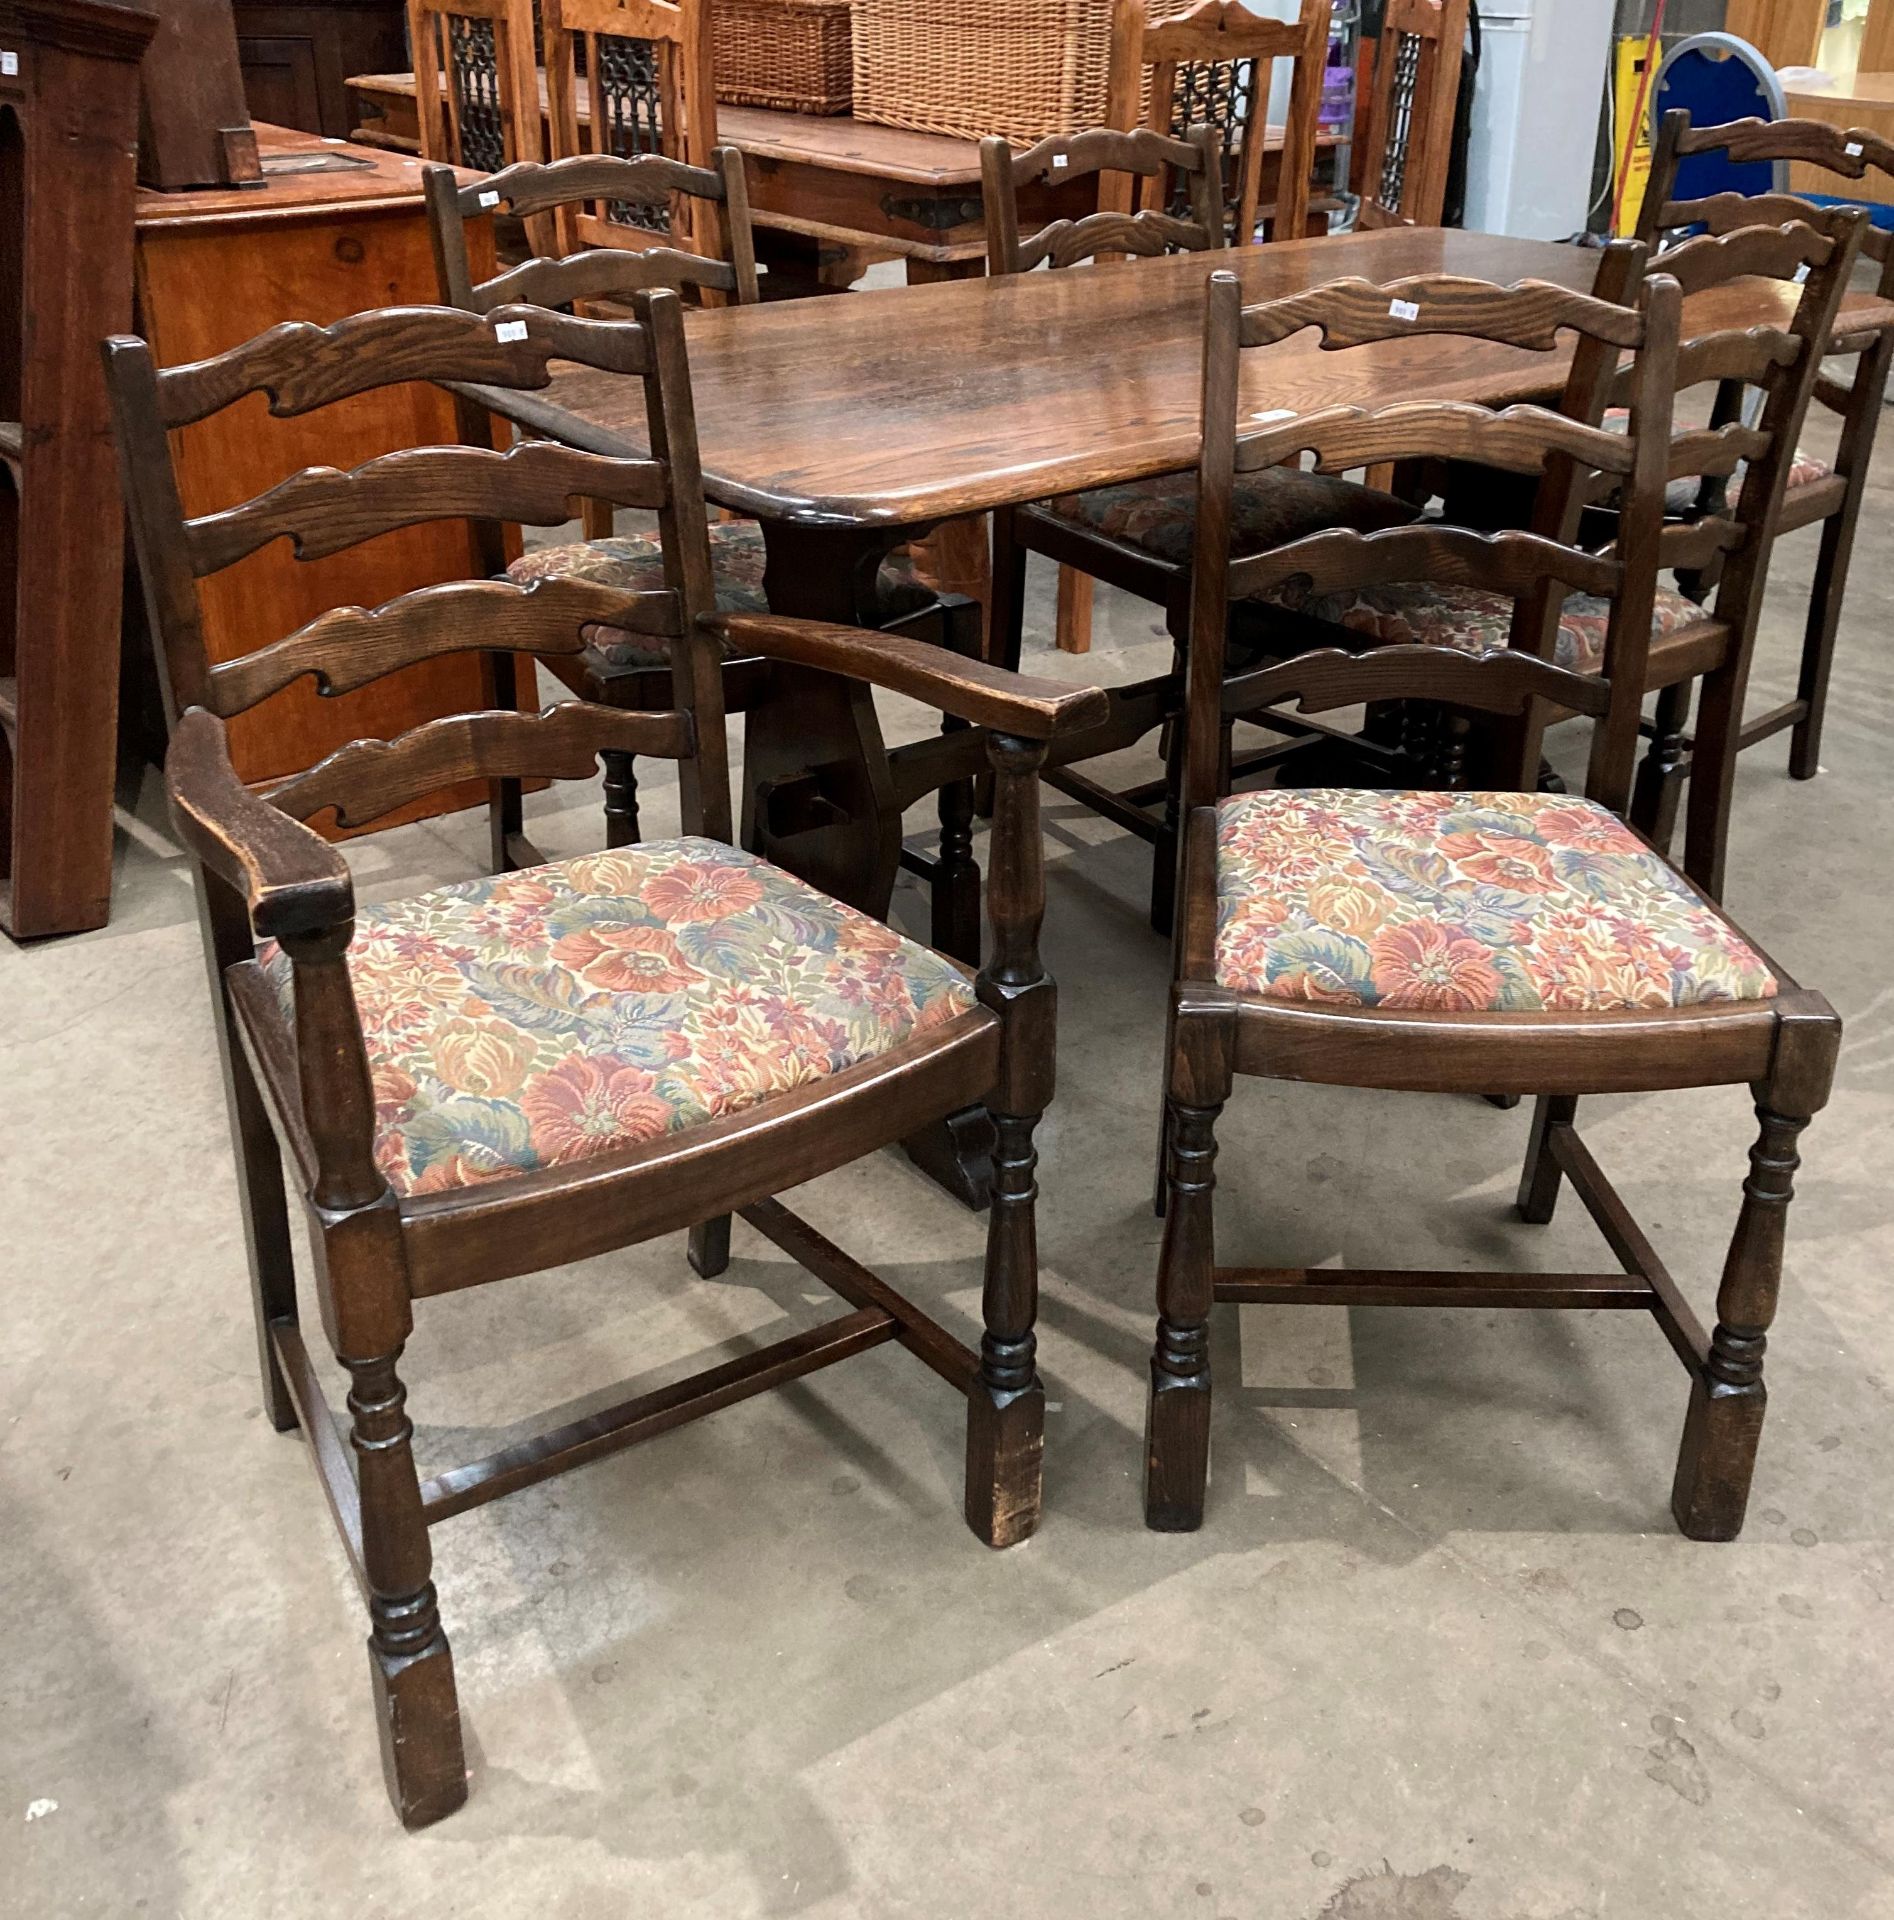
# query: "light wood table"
1863, 100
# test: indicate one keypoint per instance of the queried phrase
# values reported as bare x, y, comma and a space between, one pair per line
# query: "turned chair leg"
266, 1228
1818, 646
709, 1247
1727, 1398
1539, 1183
1177, 1420
409, 1662
1660, 773
1007, 1407
621, 798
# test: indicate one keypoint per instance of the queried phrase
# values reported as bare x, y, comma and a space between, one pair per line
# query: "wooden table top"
834, 143
907, 405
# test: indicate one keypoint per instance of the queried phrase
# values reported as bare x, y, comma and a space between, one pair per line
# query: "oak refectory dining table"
849, 426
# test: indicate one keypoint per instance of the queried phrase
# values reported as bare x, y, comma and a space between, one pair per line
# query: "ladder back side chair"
1708, 644
1135, 536
1409, 136
476, 81
1213, 64
1461, 942
1821, 491
633, 671
505, 1075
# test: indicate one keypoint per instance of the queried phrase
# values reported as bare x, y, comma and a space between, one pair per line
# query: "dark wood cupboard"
297, 54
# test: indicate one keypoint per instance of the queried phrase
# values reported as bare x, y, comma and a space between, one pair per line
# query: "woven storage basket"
974, 67
792, 54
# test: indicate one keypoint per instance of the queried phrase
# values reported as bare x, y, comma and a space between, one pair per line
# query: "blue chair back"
1720, 78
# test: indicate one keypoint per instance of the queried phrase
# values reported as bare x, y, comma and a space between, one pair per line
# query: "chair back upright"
1213, 63
629, 78
1408, 144
476, 82
321, 511
1534, 568
1139, 156
584, 202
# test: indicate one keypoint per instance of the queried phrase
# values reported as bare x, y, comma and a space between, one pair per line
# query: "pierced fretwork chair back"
629, 78
1213, 64
1408, 140
322, 512
594, 263
1138, 156
476, 81
1534, 568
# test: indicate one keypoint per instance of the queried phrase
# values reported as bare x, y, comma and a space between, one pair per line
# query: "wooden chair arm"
293, 880
986, 696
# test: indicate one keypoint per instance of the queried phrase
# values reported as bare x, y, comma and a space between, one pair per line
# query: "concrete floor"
1437, 1653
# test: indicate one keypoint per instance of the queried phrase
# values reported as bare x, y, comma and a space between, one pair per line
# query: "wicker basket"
792, 54
974, 67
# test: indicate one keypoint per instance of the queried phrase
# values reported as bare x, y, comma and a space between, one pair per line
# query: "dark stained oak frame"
300, 1087
1783, 1047
592, 267
1834, 501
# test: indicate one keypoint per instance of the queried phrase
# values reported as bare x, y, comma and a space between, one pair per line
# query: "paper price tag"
1275, 413
489, 198
1404, 309
9, 63
1854, 149
1058, 161
509, 331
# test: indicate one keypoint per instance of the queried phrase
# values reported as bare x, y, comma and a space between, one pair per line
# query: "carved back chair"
633, 671
1706, 636
1549, 950
1213, 65
476, 81
1191, 161
645, 72
1822, 490
1408, 142
599, 1095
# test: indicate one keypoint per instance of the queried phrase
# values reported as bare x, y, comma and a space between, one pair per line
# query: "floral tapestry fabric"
538, 1018
634, 562
1462, 901
1277, 505
1430, 612
1681, 496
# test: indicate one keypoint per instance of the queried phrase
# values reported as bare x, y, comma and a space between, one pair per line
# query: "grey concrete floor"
1437, 1653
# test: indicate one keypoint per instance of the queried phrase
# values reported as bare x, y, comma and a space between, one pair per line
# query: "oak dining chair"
504, 1075
1135, 536
1821, 491
1704, 637
476, 81
1213, 63
1408, 135
1473, 941
575, 201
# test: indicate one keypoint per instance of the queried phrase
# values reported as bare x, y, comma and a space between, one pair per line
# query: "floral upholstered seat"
1462, 901
634, 562
1159, 515
1433, 613
542, 1017
1805, 470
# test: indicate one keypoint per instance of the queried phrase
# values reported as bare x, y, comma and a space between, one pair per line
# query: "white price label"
489, 198
9, 63
1404, 309
508, 331
1275, 413
1058, 161
1854, 149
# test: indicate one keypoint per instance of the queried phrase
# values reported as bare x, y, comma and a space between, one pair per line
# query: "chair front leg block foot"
1006, 1439
1717, 1459
708, 1249
1176, 1452
418, 1710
